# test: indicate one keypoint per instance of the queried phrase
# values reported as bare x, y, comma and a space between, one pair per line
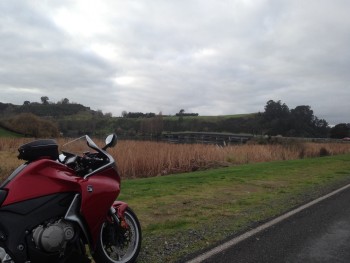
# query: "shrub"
324, 152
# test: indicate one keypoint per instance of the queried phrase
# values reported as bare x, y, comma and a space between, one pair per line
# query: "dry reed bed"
146, 159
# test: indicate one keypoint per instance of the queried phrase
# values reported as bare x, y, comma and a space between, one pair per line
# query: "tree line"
278, 119
71, 119
137, 115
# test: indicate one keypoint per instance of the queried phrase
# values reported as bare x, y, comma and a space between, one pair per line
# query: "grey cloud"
38, 57
212, 57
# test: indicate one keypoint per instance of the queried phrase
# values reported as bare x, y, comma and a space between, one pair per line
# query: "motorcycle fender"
120, 207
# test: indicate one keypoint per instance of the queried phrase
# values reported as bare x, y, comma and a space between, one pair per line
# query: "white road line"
252, 232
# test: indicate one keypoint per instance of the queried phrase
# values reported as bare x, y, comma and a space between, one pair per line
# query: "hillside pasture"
7, 133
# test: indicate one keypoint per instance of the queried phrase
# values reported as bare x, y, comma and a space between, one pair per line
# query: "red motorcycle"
60, 208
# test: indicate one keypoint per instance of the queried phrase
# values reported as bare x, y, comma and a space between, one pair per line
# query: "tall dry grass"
146, 159
8, 156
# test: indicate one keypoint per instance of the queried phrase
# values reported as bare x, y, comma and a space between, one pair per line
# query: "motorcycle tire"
117, 244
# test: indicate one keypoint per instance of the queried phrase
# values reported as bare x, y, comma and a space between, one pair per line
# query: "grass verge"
185, 213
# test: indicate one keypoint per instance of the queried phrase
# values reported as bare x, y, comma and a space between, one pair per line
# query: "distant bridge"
206, 137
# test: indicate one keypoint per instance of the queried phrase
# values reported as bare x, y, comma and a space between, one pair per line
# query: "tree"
44, 100
275, 110
181, 118
65, 101
321, 127
27, 102
303, 113
305, 124
302, 121
276, 118
299, 122
340, 131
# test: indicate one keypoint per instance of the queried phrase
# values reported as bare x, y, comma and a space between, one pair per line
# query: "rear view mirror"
110, 141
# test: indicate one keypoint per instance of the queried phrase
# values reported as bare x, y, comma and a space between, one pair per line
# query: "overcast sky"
212, 57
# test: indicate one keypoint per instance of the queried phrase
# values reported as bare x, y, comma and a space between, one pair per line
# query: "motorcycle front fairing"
100, 187
40, 178
34, 193
98, 194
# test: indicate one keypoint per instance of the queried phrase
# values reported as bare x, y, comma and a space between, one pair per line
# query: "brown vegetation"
146, 159
31, 125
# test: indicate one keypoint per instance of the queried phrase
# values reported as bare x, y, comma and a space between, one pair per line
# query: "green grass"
189, 212
7, 133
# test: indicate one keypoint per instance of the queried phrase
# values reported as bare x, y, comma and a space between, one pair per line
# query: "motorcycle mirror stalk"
110, 141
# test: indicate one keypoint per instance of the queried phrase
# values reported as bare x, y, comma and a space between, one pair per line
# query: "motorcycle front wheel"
119, 244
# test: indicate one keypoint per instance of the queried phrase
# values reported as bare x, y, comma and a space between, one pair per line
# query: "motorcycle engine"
53, 237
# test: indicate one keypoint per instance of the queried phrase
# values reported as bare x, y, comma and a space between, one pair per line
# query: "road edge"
262, 227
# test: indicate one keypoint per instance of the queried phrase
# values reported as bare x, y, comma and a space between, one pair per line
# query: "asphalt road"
320, 233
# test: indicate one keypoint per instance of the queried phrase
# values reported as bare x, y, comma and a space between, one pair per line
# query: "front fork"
117, 212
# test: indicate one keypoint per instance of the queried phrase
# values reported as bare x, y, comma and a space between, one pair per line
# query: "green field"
181, 214
7, 133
